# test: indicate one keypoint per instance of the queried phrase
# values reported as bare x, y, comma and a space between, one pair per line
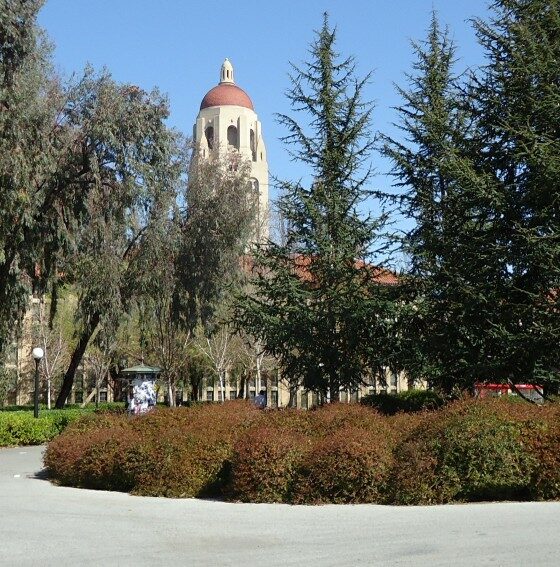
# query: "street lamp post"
37, 355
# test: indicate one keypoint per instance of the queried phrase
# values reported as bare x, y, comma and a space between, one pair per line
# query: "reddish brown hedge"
470, 450
264, 463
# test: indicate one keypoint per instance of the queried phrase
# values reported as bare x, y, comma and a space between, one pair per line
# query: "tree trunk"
293, 397
170, 393
222, 385
258, 374
335, 392
242, 386
77, 356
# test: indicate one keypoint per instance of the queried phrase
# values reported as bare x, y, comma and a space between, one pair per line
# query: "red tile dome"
226, 94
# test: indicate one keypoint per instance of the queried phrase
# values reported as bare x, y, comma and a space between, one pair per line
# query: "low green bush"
469, 451
408, 401
21, 428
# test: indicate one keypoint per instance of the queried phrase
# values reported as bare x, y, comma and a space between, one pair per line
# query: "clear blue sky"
179, 46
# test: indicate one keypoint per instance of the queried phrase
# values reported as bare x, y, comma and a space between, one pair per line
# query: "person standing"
260, 400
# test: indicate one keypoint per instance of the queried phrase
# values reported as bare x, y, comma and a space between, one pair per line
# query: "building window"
210, 395
233, 395
303, 400
253, 145
103, 396
209, 133
252, 394
274, 398
232, 137
344, 396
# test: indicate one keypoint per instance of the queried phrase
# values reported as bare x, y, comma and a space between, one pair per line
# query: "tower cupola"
226, 73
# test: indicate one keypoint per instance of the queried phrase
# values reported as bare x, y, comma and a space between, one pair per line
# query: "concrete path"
42, 524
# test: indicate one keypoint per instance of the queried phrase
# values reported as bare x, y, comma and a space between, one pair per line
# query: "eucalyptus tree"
134, 166
315, 302
38, 198
195, 256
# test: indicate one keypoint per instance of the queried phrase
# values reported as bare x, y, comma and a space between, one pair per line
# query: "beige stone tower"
227, 122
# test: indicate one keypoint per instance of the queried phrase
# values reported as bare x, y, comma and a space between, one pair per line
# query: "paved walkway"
42, 524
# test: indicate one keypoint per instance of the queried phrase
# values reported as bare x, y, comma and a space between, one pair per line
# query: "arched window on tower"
209, 133
253, 145
232, 137
254, 186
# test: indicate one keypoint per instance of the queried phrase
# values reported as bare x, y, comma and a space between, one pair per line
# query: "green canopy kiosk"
140, 387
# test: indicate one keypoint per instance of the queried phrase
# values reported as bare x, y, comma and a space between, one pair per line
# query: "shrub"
67, 455
470, 451
180, 452
545, 449
264, 463
408, 401
21, 428
349, 466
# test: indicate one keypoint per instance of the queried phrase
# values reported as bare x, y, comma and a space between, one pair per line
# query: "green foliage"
21, 428
216, 229
133, 175
32, 141
408, 401
479, 178
316, 303
467, 452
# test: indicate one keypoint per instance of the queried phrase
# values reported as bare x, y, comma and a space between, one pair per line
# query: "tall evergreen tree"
443, 308
481, 187
315, 302
517, 100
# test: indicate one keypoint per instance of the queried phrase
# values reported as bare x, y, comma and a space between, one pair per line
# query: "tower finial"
226, 73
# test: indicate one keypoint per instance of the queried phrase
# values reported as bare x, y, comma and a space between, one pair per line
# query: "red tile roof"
226, 94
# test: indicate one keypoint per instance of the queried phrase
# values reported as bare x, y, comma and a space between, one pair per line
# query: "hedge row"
407, 401
470, 450
21, 428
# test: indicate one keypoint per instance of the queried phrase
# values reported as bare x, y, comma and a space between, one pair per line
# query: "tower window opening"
253, 145
209, 133
232, 136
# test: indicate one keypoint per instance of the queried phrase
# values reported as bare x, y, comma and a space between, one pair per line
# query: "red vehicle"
484, 390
